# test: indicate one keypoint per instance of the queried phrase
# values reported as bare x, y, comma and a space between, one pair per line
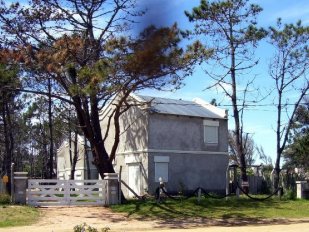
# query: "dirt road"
63, 219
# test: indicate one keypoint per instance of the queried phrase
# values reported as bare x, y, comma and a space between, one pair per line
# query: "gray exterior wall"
186, 172
183, 133
192, 163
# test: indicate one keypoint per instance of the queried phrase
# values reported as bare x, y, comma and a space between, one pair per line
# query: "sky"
259, 121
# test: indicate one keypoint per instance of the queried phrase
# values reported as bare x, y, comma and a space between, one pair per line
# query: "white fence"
66, 192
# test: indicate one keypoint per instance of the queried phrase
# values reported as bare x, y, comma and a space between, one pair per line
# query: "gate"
66, 192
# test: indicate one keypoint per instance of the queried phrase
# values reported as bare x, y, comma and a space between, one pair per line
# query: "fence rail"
66, 192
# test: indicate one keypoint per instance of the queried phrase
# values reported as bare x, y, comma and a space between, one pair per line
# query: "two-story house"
183, 142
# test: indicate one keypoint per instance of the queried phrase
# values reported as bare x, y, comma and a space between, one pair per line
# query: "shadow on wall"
134, 137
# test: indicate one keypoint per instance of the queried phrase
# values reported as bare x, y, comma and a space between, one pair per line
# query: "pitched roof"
195, 108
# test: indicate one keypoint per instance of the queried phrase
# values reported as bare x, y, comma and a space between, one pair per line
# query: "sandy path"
63, 219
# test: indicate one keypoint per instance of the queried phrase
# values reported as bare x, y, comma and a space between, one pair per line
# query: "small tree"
249, 149
288, 69
267, 160
231, 27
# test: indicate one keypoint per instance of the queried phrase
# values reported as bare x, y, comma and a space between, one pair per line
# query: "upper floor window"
211, 132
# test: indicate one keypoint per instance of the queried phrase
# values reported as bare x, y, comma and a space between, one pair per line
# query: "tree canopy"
86, 48
229, 28
289, 70
296, 153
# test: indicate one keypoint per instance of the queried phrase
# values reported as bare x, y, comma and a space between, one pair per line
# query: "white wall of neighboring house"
64, 163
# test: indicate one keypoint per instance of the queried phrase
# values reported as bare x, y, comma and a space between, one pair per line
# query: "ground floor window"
161, 168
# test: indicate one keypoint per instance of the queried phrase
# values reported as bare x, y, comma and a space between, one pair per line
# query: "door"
134, 178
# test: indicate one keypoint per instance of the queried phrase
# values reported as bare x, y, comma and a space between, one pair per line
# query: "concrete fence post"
20, 187
112, 189
300, 189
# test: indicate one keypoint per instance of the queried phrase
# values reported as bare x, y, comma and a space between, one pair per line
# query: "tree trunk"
8, 153
51, 139
70, 142
75, 156
238, 128
89, 177
101, 159
90, 125
278, 137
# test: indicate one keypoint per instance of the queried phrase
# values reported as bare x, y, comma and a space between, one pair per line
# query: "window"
211, 134
161, 168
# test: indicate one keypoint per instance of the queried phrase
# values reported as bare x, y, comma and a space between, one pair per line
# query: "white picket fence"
66, 192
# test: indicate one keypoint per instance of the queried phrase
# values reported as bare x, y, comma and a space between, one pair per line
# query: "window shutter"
161, 170
211, 134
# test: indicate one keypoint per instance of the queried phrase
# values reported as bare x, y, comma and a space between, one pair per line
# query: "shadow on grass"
209, 212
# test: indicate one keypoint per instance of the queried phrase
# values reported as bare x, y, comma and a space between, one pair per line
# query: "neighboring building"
183, 142
84, 168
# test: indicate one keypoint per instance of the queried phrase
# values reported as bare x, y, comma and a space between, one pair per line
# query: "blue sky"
259, 121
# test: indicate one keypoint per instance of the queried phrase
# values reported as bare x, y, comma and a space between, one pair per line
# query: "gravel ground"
63, 219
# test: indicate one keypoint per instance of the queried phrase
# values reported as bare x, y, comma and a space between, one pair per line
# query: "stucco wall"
192, 163
64, 164
133, 130
189, 171
124, 160
169, 132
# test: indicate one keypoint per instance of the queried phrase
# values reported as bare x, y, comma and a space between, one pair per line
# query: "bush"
86, 228
4, 199
289, 194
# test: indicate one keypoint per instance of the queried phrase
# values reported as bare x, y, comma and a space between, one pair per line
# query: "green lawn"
15, 215
243, 208
233, 208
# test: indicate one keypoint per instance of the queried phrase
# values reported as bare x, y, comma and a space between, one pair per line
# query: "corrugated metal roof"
195, 108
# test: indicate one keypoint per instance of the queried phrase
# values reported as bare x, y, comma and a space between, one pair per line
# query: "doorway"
134, 172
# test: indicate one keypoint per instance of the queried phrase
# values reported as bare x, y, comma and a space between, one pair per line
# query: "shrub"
86, 228
289, 194
4, 199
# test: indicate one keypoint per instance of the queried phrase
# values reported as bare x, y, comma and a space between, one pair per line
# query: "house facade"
185, 143
84, 169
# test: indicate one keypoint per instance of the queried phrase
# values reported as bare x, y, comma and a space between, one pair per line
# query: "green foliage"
217, 18
289, 194
288, 69
89, 65
266, 186
87, 228
229, 27
4, 199
8, 77
296, 154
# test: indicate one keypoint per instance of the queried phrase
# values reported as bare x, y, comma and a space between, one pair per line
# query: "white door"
134, 178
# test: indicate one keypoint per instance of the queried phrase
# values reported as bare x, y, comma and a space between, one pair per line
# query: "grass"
4, 199
232, 208
17, 215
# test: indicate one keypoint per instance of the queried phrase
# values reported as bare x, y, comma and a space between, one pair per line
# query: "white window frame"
161, 163
209, 125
